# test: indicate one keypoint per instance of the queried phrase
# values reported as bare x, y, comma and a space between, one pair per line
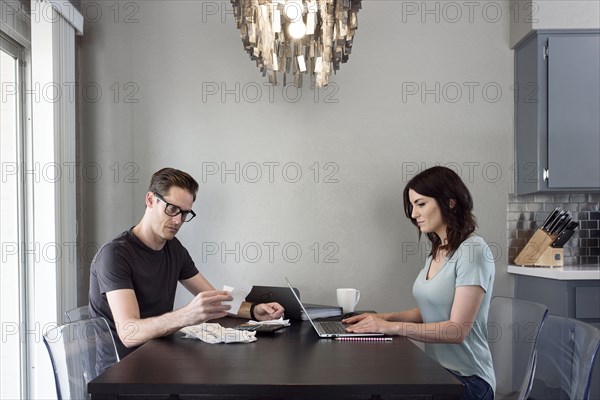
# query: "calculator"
260, 327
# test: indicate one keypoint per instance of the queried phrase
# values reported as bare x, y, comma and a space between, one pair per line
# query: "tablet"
282, 295
260, 328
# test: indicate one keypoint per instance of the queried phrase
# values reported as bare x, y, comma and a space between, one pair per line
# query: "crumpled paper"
214, 333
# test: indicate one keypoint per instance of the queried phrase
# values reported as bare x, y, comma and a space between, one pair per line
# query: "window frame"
20, 54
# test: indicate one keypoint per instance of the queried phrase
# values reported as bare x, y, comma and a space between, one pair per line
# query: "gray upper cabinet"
557, 112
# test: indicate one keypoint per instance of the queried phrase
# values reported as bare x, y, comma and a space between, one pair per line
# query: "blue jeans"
475, 388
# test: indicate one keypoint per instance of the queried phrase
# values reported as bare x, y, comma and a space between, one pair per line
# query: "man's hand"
208, 305
267, 311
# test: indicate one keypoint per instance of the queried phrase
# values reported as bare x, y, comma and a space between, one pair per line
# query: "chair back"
79, 352
513, 329
77, 313
567, 351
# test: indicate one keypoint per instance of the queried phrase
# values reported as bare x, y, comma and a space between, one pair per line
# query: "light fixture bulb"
297, 30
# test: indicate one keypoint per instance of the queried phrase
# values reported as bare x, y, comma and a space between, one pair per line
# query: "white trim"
64, 8
23, 281
69, 13
28, 228
53, 276
15, 22
43, 307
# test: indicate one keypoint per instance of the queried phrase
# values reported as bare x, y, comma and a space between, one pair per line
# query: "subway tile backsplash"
527, 213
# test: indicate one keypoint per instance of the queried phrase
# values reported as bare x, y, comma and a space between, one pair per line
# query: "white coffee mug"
348, 299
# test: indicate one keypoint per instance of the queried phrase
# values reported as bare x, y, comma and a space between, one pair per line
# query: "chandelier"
297, 37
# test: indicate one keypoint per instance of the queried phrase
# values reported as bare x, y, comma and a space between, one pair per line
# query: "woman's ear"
452, 203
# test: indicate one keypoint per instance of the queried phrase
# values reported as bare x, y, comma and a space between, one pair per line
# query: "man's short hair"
162, 181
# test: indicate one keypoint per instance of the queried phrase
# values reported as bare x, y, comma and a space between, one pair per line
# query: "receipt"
239, 295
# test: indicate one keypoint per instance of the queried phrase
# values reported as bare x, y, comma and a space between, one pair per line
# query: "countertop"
566, 273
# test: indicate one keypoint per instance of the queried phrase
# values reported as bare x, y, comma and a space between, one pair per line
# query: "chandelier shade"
297, 37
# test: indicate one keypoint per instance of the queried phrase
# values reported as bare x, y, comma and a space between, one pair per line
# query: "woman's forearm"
412, 315
434, 332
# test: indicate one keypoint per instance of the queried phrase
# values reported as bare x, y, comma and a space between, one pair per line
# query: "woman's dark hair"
164, 179
444, 185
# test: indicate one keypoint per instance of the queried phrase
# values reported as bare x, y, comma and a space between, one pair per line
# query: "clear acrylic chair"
566, 353
513, 330
79, 352
77, 313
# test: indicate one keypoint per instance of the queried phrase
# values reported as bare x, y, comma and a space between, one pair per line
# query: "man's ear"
452, 203
149, 199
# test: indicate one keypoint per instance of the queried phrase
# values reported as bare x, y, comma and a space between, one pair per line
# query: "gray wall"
355, 144
551, 14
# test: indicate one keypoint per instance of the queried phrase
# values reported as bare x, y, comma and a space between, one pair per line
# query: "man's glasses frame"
172, 210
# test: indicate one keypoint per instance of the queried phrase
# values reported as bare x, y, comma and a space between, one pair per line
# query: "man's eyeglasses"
172, 210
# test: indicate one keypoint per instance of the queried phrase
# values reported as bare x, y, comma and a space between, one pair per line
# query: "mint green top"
471, 264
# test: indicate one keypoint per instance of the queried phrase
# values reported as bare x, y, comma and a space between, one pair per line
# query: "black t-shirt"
127, 263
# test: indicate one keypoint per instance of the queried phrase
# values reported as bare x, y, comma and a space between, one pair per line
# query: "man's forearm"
136, 332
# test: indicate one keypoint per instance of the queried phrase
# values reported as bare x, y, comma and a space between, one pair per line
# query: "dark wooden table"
290, 364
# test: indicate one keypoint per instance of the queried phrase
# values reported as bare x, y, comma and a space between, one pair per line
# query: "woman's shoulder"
472, 245
474, 238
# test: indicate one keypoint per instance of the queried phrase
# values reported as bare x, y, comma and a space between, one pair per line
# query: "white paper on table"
214, 333
239, 295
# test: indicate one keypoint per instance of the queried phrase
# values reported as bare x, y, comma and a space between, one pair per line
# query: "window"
12, 269
36, 214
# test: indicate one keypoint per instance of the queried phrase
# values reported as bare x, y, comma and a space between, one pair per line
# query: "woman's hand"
355, 318
369, 323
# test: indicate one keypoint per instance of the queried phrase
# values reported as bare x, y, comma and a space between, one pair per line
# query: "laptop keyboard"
332, 327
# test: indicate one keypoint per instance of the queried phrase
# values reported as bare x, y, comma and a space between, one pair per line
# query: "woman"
453, 290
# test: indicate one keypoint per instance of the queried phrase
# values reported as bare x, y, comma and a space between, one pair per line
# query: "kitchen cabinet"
557, 122
570, 291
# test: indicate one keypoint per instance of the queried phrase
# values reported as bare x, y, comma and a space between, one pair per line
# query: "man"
134, 277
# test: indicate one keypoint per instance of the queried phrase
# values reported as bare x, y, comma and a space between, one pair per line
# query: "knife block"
538, 252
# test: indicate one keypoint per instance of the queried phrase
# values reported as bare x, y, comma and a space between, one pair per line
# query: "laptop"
280, 294
328, 329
